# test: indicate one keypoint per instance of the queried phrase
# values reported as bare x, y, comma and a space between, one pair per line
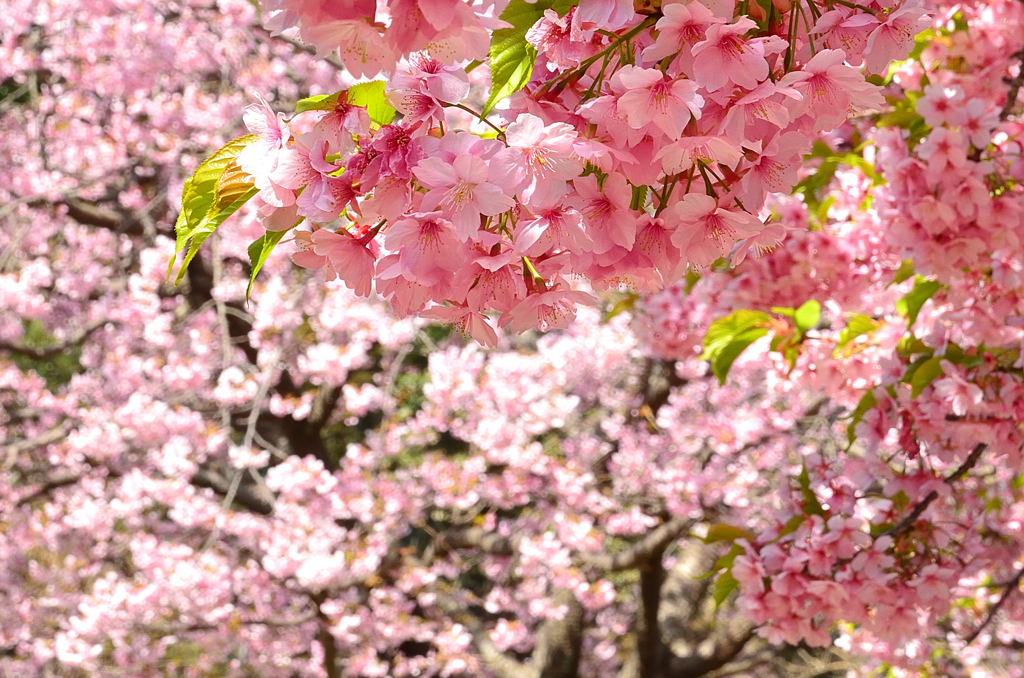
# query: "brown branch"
325, 637
654, 544
172, 629
251, 496
11, 450
500, 664
1015, 85
475, 537
725, 644
650, 648
331, 58
907, 523
55, 481
557, 651
88, 214
77, 338
1011, 587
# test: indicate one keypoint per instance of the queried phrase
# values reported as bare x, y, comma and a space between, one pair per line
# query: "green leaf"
926, 372
725, 562
726, 532
867, 401
370, 95
728, 337
910, 305
811, 505
724, 330
213, 193
807, 316
909, 346
260, 250
856, 326
511, 57
724, 585
626, 303
904, 272
792, 525
319, 102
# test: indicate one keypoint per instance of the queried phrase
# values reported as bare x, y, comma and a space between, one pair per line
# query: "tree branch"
475, 537
77, 338
722, 646
248, 495
53, 482
1015, 85
1011, 587
557, 652
12, 450
908, 521
654, 544
500, 664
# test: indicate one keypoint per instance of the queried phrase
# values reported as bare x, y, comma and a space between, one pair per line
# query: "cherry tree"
777, 434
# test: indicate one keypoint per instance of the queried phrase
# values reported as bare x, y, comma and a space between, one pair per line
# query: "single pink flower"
605, 210
707, 232
421, 89
538, 161
830, 89
942, 105
466, 320
260, 158
427, 246
652, 100
893, 39
350, 258
725, 56
557, 39
461, 190
553, 227
609, 15
680, 28
962, 394
846, 29
553, 309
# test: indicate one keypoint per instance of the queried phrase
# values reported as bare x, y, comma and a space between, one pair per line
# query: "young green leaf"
726, 532
258, 253
511, 57
318, 102
904, 272
213, 193
910, 305
856, 326
867, 401
807, 316
370, 95
925, 374
728, 337
724, 585
811, 505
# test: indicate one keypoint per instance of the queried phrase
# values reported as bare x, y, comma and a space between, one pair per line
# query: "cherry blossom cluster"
193, 482
644, 146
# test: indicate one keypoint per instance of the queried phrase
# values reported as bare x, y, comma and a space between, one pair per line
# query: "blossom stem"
480, 117
607, 51
854, 5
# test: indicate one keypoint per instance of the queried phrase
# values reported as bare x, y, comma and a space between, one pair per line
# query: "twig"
331, 58
655, 542
76, 339
1011, 586
1015, 85
904, 525
12, 450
